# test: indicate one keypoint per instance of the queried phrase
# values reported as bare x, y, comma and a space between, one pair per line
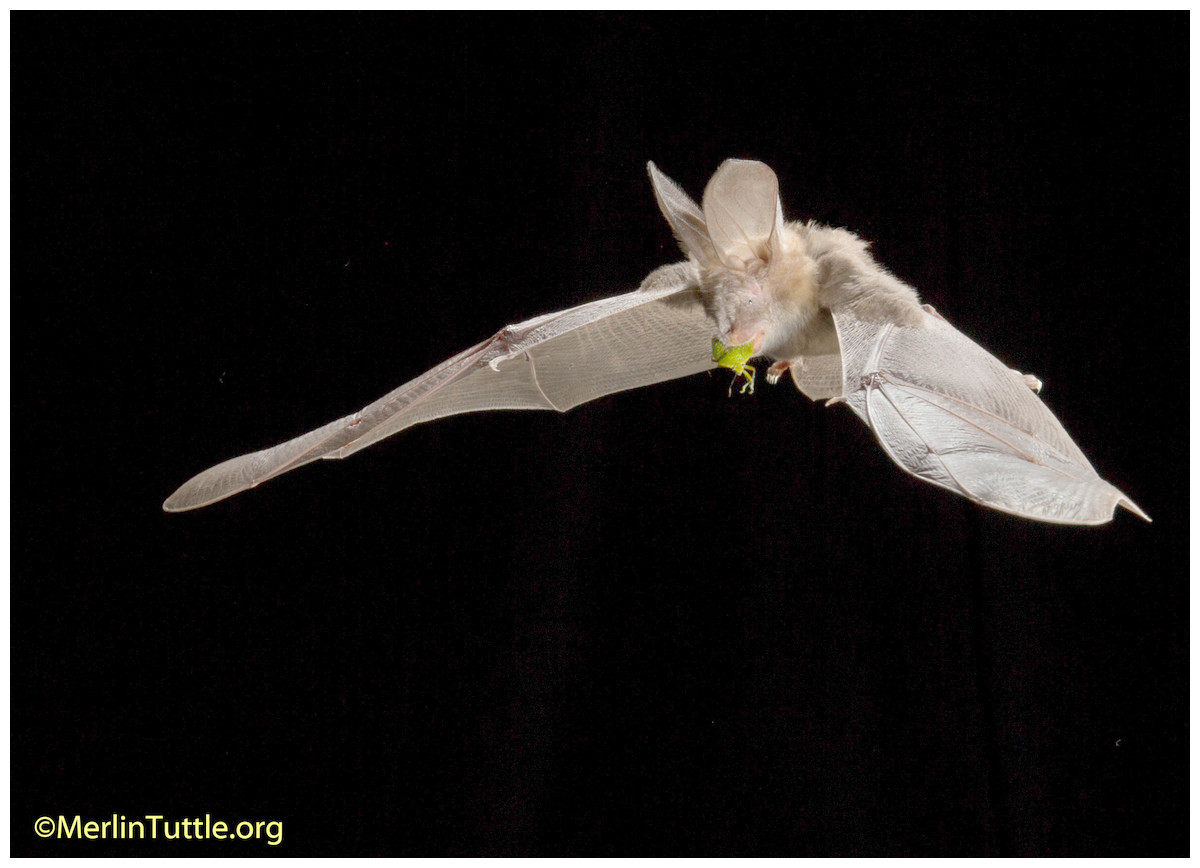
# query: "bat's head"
755, 276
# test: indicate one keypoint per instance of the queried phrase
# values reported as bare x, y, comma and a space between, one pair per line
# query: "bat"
809, 297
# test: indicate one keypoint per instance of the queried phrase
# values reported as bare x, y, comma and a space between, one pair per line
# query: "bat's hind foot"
777, 370
1029, 380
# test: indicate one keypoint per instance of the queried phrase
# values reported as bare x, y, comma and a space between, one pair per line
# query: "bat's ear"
742, 212
687, 222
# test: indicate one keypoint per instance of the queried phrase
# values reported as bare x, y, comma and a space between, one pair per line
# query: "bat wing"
949, 412
553, 362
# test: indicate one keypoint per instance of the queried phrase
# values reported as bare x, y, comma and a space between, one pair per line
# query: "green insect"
735, 359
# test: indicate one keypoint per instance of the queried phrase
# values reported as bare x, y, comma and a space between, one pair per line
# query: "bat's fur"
848, 274
772, 283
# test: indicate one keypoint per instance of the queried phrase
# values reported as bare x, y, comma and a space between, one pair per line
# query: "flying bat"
810, 298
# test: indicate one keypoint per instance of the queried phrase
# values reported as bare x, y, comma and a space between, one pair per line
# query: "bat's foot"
777, 370
1029, 380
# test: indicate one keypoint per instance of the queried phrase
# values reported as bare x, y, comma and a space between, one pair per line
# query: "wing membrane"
947, 411
552, 362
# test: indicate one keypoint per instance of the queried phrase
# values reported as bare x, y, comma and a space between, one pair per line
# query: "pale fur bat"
808, 296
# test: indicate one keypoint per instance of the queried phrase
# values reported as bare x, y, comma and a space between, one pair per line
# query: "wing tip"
205, 489
184, 500
178, 501
1134, 508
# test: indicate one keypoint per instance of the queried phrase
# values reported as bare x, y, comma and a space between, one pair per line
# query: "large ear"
742, 211
687, 222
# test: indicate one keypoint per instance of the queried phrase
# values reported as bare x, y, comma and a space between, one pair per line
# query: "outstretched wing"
552, 362
949, 412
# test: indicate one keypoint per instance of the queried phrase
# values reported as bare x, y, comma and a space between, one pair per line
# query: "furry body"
770, 283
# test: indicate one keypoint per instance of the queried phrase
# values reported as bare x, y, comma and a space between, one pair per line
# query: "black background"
668, 622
